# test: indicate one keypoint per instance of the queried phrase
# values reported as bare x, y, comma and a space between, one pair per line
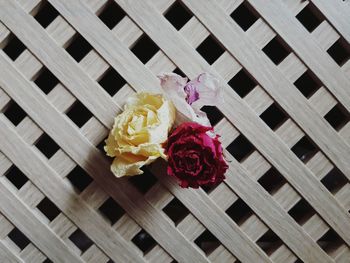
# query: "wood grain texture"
284, 209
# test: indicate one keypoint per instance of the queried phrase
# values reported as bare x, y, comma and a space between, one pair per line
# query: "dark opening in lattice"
210, 49
14, 113
273, 116
340, 52
79, 178
82, 241
244, 15
304, 149
14, 47
330, 241
143, 182
240, 148
214, 115
178, 15
46, 81
269, 242
101, 145
16, 177
301, 212
334, 180
272, 180
176, 211
144, 241
276, 50
48, 208
209, 188
47, 261
307, 84
47, 13
47, 146
111, 210
19, 238
239, 211
79, 114
79, 47
309, 17
144, 49
337, 117
179, 72
111, 81
242, 83
207, 242
111, 14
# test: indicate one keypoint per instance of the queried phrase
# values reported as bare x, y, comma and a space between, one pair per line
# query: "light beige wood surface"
321, 234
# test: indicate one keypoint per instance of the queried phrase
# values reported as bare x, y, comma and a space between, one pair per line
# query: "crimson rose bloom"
194, 157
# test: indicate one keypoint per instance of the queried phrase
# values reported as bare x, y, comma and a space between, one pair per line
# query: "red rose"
194, 157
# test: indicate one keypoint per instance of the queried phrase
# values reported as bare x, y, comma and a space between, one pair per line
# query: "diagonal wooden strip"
21, 216
259, 65
338, 13
290, 29
267, 143
89, 158
7, 256
61, 64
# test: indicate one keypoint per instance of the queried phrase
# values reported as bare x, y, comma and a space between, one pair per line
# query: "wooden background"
66, 67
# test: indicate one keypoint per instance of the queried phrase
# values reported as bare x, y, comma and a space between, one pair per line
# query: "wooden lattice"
66, 67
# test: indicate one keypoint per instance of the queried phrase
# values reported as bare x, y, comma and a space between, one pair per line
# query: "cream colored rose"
138, 133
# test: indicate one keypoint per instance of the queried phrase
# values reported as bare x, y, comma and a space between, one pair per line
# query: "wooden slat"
337, 13
125, 199
18, 213
287, 26
308, 186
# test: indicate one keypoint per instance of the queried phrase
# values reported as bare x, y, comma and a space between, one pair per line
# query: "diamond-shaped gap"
47, 261
19, 238
207, 242
14, 113
111, 81
242, 83
16, 177
46, 81
307, 84
245, 15
330, 241
47, 13
111, 14
82, 241
276, 50
144, 241
14, 47
209, 188
273, 116
239, 211
48, 208
47, 146
214, 115
240, 148
337, 117
101, 146
340, 51
178, 15
78, 48
272, 180
269, 242
304, 149
79, 114
309, 17
111, 210
143, 182
175, 210
210, 49
144, 48
301, 212
79, 178
334, 180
